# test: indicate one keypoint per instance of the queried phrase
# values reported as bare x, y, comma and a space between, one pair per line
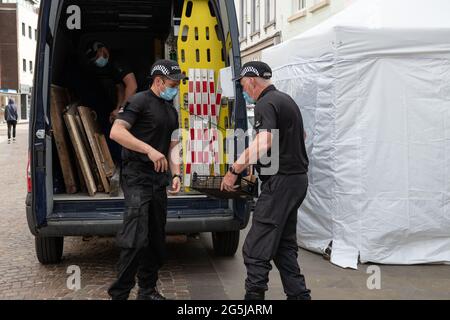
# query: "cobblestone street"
21, 275
192, 272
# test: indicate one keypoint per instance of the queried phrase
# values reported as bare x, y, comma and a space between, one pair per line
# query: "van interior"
138, 31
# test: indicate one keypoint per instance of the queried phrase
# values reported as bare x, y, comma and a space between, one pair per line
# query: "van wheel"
225, 243
49, 250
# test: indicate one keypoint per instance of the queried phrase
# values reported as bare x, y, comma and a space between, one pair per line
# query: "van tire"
225, 243
49, 250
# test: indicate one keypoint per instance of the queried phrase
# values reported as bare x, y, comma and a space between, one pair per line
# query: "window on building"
24, 65
30, 32
256, 14
243, 18
318, 4
31, 66
299, 5
23, 30
270, 11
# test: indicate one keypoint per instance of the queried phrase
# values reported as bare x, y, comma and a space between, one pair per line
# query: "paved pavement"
192, 272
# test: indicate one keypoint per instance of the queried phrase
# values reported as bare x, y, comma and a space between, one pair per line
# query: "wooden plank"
83, 187
110, 167
105, 153
59, 101
89, 151
80, 151
92, 133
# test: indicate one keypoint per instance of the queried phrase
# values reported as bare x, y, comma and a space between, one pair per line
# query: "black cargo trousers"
273, 236
11, 129
142, 237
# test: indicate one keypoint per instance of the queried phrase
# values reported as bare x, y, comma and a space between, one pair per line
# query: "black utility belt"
145, 167
265, 178
137, 163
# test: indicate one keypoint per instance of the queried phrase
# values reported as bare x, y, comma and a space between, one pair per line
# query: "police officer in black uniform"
107, 83
147, 129
273, 233
115, 78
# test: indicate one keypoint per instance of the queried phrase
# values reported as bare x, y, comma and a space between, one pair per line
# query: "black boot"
149, 294
305, 296
255, 295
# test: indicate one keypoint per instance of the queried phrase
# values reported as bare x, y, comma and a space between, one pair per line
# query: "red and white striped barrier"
204, 101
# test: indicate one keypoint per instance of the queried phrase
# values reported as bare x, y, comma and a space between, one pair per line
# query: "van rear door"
39, 138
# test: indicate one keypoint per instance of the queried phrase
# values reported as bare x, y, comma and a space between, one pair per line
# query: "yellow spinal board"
200, 47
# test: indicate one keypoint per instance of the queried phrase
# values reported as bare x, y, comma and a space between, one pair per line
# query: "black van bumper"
110, 228
206, 220
176, 225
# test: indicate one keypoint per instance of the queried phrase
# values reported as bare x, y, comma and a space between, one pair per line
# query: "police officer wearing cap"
108, 82
146, 128
273, 232
117, 80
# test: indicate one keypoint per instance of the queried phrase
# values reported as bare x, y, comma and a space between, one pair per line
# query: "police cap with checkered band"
255, 69
169, 69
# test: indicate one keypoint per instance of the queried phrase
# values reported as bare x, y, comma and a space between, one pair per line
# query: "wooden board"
110, 167
80, 150
102, 156
82, 185
89, 151
59, 101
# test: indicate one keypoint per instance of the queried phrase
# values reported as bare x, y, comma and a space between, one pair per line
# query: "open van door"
49, 249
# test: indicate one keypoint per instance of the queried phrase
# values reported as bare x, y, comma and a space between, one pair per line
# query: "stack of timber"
76, 132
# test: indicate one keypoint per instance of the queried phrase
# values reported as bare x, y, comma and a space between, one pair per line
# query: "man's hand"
176, 186
228, 183
159, 160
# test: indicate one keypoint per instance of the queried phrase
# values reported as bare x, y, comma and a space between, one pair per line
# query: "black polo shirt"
153, 120
108, 78
277, 110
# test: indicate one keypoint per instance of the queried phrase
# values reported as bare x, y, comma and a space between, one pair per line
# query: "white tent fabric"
373, 85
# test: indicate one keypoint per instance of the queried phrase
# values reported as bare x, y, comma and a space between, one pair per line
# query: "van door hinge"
40, 134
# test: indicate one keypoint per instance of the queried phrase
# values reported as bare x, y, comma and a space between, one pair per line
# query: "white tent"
373, 85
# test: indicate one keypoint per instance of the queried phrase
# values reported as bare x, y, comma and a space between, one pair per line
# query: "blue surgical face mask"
101, 62
248, 99
169, 94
